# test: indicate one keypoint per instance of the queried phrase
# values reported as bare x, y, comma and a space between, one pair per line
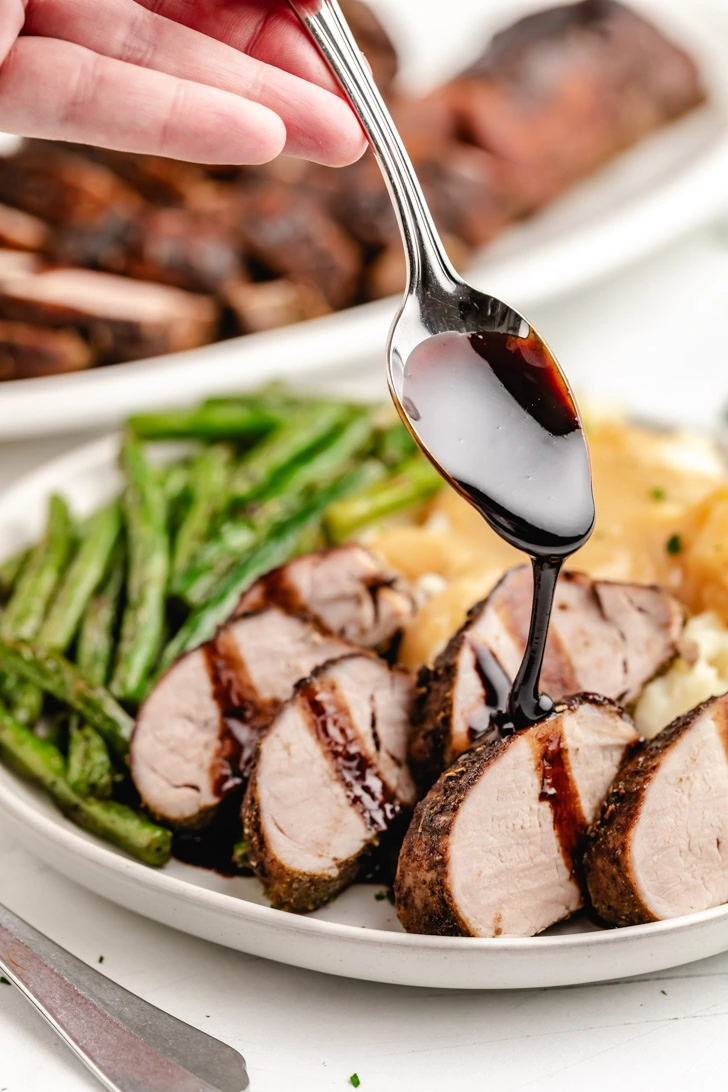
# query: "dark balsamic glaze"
557, 787
362, 782
243, 712
213, 846
497, 417
496, 689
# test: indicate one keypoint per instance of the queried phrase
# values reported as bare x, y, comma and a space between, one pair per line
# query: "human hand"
213, 81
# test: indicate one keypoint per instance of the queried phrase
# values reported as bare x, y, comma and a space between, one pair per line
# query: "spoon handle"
128, 1044
425, 253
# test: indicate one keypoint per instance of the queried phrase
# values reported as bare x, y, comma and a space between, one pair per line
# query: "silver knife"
128, 1044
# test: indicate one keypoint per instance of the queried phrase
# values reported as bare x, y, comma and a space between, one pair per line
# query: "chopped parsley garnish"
380, 896
4, 981
658, 493
664, 992
101, 959
354, 1080
674, 544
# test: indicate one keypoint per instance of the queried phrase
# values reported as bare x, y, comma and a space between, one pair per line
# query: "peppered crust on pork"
660, 846
329, 779
493, 849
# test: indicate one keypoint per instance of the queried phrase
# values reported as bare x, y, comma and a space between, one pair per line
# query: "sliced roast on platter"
493, 848
197, 730
346, 589
121, 318
605, 638
660, 846
32, 351
330, 778
564, 89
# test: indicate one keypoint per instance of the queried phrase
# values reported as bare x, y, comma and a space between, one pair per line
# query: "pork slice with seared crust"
660, 846
346, 589
330, 778
605, 638
197, 731
493, 848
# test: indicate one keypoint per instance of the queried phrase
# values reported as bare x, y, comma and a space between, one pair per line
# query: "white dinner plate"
357, 935
669, 184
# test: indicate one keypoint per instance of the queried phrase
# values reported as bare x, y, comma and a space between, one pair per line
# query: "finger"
265, 29
12, 15
59, 90
319, 125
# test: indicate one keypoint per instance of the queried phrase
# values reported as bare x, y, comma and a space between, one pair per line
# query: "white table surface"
656, 337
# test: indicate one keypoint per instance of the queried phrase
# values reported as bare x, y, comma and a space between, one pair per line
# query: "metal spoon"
128, 1044
504, 429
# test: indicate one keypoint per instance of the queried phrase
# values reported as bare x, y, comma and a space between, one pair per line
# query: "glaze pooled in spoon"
497, 417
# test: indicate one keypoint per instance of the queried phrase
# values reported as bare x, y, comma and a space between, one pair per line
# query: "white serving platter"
356, 936
670, 184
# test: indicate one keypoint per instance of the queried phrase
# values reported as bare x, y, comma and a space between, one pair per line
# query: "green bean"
43, 763
236, 421
414, 482
10, 570
143, 622
81, 579
33, 591
275, 550
394, 444
96, 637
88, 766
282, 499
36, 584
208, 479
54, 674
298, 436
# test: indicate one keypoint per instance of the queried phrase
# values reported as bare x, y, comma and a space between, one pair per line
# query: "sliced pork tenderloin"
196, 732
660, 846
605, 638
330, 778
493, 848
346, 589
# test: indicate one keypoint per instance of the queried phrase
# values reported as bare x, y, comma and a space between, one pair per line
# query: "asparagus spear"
209, 476
234, 421
148, 552
55, 675
298, 436
42, 762
411, 484
282, 499
275, 550
88, 767
82, 577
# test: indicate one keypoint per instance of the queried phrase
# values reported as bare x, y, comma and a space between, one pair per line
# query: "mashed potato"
701, 673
